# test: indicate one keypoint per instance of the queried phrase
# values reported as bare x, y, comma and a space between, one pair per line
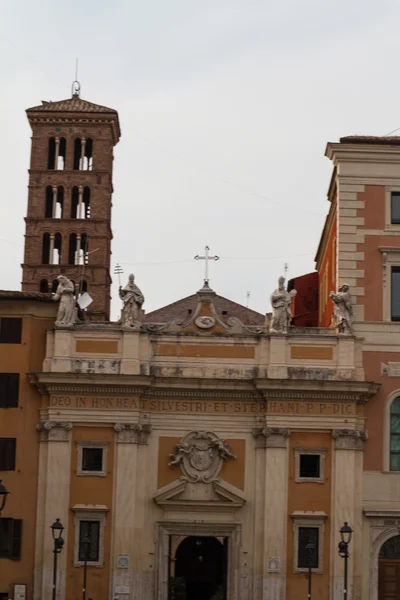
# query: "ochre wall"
21, 423
328, 266
90, 490
309, 497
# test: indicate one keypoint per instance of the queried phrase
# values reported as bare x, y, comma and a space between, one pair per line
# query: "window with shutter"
7, 454
306, 558
9, 390
10, 538
10, 330
91, 529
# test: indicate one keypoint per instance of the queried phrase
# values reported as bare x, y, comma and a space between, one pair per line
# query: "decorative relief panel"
132, 433
200, 455
273, 564
271, 437
349, 439
54, 431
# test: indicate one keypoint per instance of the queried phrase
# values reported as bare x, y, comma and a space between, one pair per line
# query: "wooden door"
389, 579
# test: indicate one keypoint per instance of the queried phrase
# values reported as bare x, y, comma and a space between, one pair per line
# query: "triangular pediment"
183, 495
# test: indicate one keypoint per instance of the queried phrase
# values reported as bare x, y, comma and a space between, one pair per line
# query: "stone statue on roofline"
281, 301
65, 295
133, 299
343, 310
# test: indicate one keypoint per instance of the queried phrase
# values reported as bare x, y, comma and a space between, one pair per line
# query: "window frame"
14, 461
16, 384
98, 522
83, 512
19, 330
321, 452
315, 520
9, 553
81, 445
390, 189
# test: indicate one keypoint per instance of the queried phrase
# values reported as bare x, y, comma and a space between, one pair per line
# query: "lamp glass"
346, 533
57, 528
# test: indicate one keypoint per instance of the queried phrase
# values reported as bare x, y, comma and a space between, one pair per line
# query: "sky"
225, 107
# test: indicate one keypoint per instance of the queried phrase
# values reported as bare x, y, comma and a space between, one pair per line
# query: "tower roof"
75, 105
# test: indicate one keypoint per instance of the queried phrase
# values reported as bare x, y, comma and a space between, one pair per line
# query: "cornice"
57, 119
366, 153
153, 387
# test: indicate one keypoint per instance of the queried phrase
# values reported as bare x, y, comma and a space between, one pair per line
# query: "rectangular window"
10, 538
395, 208
307, 557
395, 289
90, 529
9, 388
10, 330
92, 459
7, 454
309, 465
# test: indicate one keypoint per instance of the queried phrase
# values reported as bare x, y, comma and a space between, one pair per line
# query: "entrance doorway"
389, 569
198, 568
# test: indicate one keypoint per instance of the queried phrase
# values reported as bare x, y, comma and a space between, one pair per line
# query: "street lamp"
345, 534
310, 552
3, 495
85, 549
56, 529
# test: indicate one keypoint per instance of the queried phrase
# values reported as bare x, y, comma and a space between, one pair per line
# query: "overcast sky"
225, 108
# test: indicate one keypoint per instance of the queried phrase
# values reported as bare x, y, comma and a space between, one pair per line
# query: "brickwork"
70, 120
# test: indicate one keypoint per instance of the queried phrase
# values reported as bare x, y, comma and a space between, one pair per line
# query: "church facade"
203, 450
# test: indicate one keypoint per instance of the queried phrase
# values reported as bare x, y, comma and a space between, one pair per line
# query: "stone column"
54, 211
53, 503
80, 199
129, 438
275, 442
83, 145
347, 471
78, 249
57, 152
51, 250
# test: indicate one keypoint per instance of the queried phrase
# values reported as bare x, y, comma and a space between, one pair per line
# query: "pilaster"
53, 502
347, 468
275, 442
129, 438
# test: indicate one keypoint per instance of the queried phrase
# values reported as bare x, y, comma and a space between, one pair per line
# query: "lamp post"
345, 534
56, 529
85, 549
310, 551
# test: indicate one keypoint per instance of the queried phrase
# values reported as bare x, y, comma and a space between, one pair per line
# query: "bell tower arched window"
80, 202
83, 154
56, 153
54, 202
395, 435
51, 248
78, 249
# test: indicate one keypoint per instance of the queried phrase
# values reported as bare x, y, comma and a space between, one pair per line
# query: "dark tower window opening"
46, 249
56, 249
72, 249
56, 154
83, 251
84, 286
83, 154
54, 286
52, 153
80, 202
54, 202
44, 286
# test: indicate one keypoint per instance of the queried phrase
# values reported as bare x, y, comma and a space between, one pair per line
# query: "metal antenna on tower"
118, 270
247, 299
286, 268
76, 86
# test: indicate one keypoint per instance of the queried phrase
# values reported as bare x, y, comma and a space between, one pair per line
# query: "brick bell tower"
68, 223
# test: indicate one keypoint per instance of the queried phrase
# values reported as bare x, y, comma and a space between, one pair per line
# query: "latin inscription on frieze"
203, 406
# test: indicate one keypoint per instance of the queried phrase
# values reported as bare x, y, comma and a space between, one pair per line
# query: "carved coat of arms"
200, 455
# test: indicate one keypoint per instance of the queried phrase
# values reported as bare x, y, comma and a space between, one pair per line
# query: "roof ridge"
76, 103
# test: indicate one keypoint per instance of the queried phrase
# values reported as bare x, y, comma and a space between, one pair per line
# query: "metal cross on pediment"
206, 258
